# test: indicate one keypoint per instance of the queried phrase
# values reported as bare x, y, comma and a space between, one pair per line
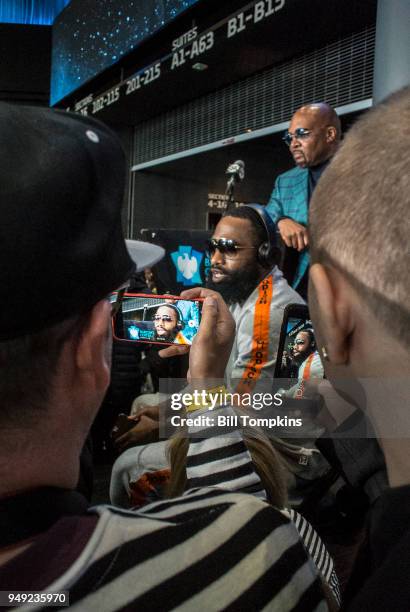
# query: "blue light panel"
92, 35
31, 12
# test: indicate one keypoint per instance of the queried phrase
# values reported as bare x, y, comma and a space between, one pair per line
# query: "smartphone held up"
157, 319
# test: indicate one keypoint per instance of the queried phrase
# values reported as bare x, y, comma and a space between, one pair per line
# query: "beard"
238, 286
300, 358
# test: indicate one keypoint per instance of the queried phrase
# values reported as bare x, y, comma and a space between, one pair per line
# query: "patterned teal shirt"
290, 198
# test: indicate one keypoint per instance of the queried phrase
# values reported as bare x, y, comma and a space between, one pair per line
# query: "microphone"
236, 171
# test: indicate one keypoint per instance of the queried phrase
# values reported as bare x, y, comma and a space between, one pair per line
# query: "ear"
331, 134
93, 350
333, 313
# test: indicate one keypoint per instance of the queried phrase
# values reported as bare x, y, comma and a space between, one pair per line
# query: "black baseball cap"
62, 248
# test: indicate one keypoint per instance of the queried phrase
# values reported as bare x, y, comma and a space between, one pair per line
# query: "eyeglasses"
163, 318
226, 246
298, 134
299, 342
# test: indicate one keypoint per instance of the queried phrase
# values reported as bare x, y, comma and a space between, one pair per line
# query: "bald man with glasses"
313, 137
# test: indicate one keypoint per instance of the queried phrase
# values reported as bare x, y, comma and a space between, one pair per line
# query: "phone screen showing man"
157, 319
298, 355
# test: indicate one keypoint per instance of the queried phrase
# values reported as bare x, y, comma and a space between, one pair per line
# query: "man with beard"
168, 323
243, 257
306, 355
243, 271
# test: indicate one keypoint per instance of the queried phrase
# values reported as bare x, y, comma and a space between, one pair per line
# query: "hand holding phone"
145, 318
213, 344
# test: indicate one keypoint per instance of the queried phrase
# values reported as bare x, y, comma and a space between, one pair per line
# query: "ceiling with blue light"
31, 12
91, 35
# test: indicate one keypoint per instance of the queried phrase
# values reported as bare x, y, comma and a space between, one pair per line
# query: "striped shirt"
211, 549
208, 550
224, 461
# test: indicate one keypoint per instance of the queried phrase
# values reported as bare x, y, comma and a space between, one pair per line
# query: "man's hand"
145, 431
293, 234
212, 345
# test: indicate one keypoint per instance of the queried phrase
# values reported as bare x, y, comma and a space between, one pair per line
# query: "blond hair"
270, 465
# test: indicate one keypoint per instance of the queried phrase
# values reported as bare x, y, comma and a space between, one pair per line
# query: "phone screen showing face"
159, 319
298, 355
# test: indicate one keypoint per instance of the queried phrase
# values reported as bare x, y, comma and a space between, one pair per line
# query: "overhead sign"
191, 46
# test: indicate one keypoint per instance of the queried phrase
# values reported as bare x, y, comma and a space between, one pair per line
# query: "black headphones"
180, 320
268, 251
